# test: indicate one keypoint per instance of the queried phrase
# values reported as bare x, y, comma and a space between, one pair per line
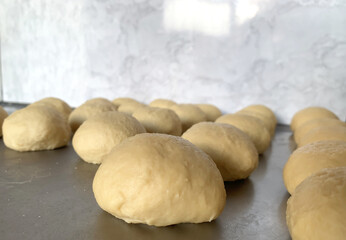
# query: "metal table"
48, 195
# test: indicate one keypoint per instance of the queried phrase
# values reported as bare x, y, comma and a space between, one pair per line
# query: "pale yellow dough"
98, 135
269, 123
189, 115
36, 128
301, 131
99, 100
56, 103
87, 110
162, 103
159, 180
124, 100
263, 110
331, 132
3, 115
252, 126
211, 111
311, 158
308, 114
159, 120
130, 107
231, 149
317, 208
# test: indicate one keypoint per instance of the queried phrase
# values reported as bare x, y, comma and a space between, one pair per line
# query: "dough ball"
252, 126
334, 132
232, 150
55, 103
308, 114
302, 130
162, 103
130, 108
159, 180
124, 100
98, 135
211, 111
268, 122
189, 114
87, 110
159, 120
317, 208
311, 158
263, 110
36, 128
3, 115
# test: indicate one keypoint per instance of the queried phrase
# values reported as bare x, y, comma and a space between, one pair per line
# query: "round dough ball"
159, 120
87, 110
211, 111
124, 100
231, 149
162, 103
252, 126
159, 180
311, 158
301, 131
99, 101
130, 108
55, 103
36, 128
308, 114
3, 115
98, 135
333, 132
189, 114
317, 208
268, 122
263, 110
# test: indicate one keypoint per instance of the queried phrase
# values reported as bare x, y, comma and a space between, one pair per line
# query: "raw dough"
99, 100
252, 126
98, 135
3, 115
310, 159
334, 132
211, 111
263, 110
87, 110
301, 131
123, 100
159, 180
268, 122
162, 103
130, 107
36, 128
308, 114
231, 149
189, 114
55, 103
317, 208
159, 120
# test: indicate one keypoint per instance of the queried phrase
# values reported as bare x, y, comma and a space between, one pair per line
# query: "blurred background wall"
287, 54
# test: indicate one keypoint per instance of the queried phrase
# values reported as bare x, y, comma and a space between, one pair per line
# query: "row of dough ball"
315, 176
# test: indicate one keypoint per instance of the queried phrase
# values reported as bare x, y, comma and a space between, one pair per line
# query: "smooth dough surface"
308, 114
162, 103
211, 111
332, 132
36, 128
317, 208
189, 115
56, 103
98, 101
268, 122
124, 100
3, 115
87, 110
252, 126
301, 131
263, 110
130, 107
159, 120
98, 135
311, 158
231, 149
159, 180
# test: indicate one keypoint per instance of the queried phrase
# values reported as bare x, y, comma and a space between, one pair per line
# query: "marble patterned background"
287, 54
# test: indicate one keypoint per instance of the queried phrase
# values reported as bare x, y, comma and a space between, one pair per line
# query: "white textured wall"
286, 54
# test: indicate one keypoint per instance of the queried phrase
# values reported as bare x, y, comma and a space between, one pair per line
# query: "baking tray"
48, 195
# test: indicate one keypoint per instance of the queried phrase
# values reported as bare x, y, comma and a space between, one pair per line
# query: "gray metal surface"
48, 195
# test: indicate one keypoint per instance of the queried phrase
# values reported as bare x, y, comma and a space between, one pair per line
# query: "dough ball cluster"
56, 103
